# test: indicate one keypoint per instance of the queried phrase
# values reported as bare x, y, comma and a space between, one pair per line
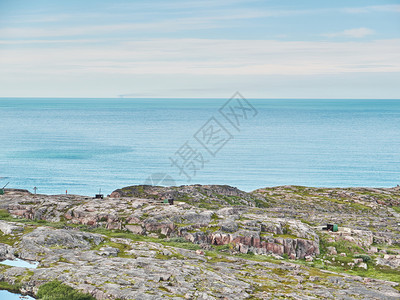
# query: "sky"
195, 49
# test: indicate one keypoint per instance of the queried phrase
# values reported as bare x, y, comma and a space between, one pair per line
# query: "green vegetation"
347, 247
177, 240
55, 290
215, 257
172, 255
364, 257
4, 214
8, 239
382, 273
14, 288
359, 206
307, 222
224, 248
62, 259
210, 206
286, 236
301, 193
214, 217
172, 242
183, 198
261, 203
134, 191
185, 245
340, 264
232, 200
223, 253
342, 246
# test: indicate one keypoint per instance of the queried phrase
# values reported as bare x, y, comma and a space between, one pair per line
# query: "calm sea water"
81, 145
6, 295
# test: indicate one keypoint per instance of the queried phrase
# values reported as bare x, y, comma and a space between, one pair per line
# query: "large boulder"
197, 218
6, 251
43, 239
392, 261
10, 228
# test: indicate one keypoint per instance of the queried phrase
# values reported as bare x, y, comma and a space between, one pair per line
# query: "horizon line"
273, 98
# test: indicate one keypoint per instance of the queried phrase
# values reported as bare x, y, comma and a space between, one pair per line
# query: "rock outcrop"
210, 195
130, 246
121, 268
245, 230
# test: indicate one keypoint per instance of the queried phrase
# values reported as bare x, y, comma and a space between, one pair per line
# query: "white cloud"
53, 41
160, 26
351, 33
205, 18
371, 9
203, 57
219, 19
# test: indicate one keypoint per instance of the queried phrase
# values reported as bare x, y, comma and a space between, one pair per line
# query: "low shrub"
365, 258
56, 290
176, 240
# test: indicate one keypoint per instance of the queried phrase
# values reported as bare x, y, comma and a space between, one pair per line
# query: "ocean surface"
6, 295
82, 145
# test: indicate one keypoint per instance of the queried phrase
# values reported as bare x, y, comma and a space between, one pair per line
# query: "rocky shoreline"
214, 242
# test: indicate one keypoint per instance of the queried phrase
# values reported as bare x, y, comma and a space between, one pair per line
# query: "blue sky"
264, 49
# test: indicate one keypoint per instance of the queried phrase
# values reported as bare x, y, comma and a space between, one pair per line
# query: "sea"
92, 146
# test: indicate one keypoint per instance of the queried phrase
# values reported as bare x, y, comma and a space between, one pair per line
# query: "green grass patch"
8, 239
56, 290
364, 257
261, 203
260, 258
173, 255
64, 260
186, 245
209, 206
214, 217
280, 272
359, 206
382, 273
14, 288
4, 214
307, 222
214, 257
285, 236
342, 246
224, 248
347, 247
173, 242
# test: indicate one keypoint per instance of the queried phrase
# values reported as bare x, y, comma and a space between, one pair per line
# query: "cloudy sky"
264, 49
